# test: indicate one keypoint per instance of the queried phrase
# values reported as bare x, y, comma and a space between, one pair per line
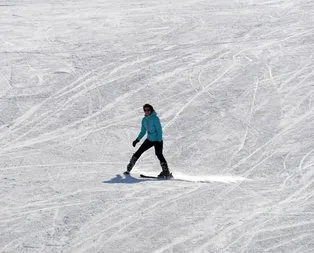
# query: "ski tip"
146, 176
156, 177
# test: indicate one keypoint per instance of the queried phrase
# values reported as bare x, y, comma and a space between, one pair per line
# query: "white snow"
232, 82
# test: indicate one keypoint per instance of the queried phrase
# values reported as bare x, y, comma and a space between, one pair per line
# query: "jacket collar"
153, 114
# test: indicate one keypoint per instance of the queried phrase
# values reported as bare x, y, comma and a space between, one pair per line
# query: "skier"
151, 125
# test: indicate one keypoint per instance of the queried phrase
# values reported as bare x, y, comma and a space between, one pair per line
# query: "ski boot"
165, 174
130, 165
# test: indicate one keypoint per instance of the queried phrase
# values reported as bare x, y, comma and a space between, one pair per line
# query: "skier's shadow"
118, 179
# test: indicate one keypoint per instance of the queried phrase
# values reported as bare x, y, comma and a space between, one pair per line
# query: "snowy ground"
232, 82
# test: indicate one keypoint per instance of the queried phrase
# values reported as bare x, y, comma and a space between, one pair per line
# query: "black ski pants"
147, 144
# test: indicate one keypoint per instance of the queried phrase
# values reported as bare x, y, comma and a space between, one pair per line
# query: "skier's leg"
163, 162
131, 164
145, 146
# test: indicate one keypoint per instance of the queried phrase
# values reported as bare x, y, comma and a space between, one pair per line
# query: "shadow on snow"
118, 179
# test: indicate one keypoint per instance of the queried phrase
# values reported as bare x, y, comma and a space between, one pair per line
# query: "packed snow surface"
232, 82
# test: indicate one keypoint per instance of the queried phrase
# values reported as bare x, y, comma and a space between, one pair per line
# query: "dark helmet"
148, 106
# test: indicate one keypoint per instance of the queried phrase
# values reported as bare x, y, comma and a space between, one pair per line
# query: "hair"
148, 106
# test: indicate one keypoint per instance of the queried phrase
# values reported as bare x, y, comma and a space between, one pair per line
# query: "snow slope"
232, 82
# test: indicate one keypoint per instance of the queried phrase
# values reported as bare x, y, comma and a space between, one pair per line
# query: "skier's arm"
143, 131
158, 129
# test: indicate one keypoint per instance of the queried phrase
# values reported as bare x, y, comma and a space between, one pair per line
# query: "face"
147, 111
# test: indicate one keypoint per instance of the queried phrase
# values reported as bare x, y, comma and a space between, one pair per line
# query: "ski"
145, 176
155, 177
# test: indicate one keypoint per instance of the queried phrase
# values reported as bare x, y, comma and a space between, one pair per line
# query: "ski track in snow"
232, 82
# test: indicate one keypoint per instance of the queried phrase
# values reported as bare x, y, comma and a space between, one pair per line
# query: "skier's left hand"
135, 142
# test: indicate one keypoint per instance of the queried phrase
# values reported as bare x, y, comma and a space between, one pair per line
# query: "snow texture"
232, 82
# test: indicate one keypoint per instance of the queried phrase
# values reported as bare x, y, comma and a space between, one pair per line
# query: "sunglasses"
146, 110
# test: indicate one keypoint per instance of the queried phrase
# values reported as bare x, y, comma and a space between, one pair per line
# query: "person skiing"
150, 125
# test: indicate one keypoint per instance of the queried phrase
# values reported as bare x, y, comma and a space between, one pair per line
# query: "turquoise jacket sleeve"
143, 131
158, 129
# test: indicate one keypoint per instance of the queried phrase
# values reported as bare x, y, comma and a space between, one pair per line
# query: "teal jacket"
151, 125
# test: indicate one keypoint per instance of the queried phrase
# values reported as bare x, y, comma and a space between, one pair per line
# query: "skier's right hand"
135, 142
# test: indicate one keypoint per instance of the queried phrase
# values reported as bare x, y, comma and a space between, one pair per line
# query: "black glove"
135, 142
